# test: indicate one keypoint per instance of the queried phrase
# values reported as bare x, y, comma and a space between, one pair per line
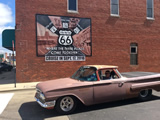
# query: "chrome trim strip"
46, 104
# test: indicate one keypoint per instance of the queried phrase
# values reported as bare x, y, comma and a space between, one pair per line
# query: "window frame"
72, 11
150, 18
133, 47
114, 15
101, 73
134, 55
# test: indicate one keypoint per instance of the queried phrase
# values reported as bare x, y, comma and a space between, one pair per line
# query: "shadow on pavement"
111, 104
33, 111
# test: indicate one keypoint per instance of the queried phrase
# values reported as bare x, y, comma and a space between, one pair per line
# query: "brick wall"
111, 37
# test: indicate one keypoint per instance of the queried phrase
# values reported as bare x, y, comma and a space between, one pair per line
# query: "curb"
15, 89
19, 87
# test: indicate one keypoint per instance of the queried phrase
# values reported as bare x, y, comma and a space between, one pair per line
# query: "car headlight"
42, 96
38, 91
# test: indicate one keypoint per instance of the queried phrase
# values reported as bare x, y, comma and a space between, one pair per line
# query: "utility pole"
13, 64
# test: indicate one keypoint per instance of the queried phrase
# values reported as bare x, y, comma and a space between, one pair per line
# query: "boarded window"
133, 54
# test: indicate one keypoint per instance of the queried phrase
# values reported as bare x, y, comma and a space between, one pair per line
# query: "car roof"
102, 66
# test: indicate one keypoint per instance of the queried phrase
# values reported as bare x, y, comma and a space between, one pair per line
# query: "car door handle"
120, 84
102, 84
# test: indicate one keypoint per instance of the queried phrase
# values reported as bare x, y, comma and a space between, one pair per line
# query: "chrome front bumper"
46, 104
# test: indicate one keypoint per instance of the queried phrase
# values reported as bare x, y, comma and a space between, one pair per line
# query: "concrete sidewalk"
7, 82
19, 86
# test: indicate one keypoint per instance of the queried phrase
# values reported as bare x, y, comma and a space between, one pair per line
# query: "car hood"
60, 84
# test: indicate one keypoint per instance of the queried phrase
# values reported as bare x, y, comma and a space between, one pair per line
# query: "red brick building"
121, 32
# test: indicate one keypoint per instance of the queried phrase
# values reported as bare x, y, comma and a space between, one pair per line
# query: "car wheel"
145, 95
66, 105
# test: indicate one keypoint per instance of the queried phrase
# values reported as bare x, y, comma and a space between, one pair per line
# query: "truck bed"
137, 74
143, 80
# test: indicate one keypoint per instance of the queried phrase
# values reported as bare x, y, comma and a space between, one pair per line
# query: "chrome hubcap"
144, 93
66, 104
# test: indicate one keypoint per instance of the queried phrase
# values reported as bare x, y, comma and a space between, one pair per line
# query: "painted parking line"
4, 100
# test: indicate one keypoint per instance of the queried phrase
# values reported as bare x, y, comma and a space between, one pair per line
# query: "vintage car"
6, 67
90, 85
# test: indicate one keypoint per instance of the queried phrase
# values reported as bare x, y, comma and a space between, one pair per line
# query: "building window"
133, 54
73, 5
150, 9
115, 7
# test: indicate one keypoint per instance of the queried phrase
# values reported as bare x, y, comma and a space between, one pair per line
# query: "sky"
7, 19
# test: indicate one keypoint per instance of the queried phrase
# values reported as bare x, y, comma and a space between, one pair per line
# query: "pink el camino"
90, 85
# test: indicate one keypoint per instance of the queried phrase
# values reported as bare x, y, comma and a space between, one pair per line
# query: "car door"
109, 90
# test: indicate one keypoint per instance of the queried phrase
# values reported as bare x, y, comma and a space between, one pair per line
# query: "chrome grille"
38, 96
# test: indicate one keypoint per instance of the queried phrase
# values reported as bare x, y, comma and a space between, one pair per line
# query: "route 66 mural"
62, 38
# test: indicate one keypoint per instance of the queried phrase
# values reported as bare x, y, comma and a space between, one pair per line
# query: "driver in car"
107, 75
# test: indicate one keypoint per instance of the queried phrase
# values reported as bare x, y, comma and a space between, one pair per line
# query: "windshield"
118, 73
85, 73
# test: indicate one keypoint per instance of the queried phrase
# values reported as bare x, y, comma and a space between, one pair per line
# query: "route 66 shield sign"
65, 40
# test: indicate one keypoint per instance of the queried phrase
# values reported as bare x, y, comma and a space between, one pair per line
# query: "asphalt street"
22, 106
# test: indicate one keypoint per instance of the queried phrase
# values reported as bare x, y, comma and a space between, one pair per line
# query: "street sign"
8, 36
